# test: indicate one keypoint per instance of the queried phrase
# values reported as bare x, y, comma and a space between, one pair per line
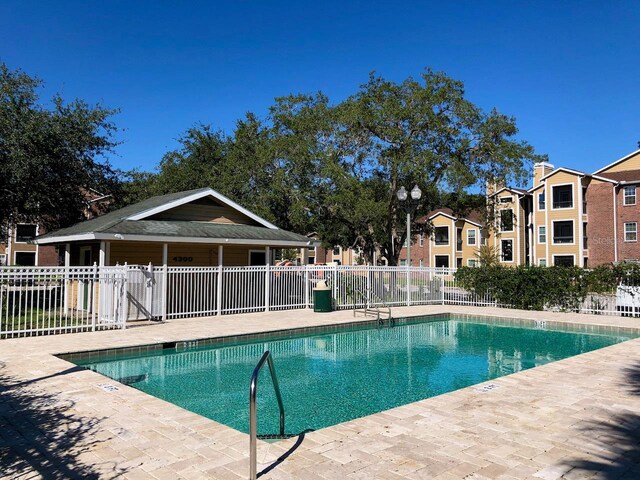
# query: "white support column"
304, 255
103, 254
165, 280
9, 245
219, 284
267, 278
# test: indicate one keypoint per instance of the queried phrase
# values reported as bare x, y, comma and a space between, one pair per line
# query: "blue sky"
568, 71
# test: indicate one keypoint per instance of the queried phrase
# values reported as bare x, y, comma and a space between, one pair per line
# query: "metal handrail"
365, 296
253, 411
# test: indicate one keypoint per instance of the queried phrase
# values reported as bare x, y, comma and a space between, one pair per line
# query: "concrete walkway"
575, 418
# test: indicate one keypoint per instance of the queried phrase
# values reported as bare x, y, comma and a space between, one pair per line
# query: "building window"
458, 239
336, 251
563, 231
311, 260
631, 232
442, 261
483, 237
421, 237
403, 262
24, 233
421, 263
507, 250
506, 220
442, 235
630, 195
541, 201
458, 262
563, 196
471, 237
506, 200
3, 260
472, 262
585, 244
542, 262
542, 234
257, 257
584, 200
563, 260
25, 259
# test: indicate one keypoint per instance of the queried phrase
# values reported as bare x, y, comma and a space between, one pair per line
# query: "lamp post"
416, 193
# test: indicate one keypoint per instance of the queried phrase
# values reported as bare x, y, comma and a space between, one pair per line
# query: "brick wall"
600, 232
627, 213
417, 252
48, 256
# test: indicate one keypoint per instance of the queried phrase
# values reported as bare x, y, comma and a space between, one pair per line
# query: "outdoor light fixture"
416, 194
118, 236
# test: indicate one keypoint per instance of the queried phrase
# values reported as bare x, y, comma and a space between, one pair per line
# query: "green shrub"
539, 288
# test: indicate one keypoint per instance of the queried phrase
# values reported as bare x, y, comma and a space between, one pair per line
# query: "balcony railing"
563, 239
563, 204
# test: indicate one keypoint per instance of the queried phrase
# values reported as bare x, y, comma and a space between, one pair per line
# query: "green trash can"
322, 297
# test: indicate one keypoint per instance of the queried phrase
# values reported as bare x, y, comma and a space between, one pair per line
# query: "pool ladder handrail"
366, 310
253, 413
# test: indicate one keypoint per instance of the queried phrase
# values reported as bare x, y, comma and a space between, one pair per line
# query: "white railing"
41, 300
38, 300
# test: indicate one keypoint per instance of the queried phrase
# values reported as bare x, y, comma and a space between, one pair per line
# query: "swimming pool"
331, 376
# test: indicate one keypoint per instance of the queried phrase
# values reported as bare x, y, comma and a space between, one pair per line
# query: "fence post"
267, 287
95, 303
148, 300
335, 284
219, 290
408, 285
442, 277
368, 287
306, 286
125, 295
165, 290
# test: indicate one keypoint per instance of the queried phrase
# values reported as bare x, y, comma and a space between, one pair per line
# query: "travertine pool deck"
575, 418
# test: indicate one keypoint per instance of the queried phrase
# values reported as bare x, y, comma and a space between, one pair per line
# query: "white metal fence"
42, 300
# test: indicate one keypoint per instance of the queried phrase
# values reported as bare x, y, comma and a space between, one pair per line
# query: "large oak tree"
50, 155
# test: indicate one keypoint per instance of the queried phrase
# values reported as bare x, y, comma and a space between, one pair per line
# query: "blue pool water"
333, 377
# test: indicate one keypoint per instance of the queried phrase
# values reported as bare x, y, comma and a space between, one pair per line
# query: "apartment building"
454, 241
17, 248
569, 217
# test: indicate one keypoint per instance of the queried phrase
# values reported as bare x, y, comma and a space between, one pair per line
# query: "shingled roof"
130, 223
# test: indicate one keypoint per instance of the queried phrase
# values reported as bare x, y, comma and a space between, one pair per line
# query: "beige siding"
204, 210
556, 214
632, 163
135, 253
443, 250
500, 235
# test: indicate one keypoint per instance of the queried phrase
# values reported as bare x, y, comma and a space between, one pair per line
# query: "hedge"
540, 288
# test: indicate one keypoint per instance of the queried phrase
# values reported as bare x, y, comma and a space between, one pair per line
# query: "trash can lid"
322, 285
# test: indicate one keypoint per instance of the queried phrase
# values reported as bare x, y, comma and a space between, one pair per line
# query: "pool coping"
32, 358
285, 334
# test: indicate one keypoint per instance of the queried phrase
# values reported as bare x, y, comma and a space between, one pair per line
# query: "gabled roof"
624, 176
565, 170
474, 216
578, 173
626, 157
518, 191
130, 223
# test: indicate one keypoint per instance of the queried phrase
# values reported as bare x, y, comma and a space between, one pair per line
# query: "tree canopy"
49, 156
335, 168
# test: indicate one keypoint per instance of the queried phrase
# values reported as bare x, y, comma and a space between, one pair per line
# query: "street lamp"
416, 193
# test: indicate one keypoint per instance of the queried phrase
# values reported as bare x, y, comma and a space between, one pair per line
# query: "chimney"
541, 169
